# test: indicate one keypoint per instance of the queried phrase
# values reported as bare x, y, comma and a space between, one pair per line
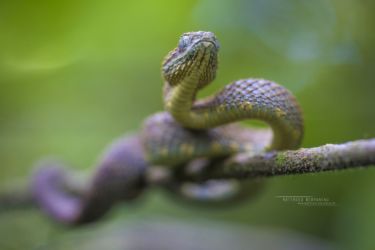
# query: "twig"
329, 157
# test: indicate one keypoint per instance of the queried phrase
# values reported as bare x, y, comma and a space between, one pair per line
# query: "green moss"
280, 159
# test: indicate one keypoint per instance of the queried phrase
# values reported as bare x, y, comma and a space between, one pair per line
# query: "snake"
191, 133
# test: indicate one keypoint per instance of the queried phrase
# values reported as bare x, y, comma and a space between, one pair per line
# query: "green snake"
190, 131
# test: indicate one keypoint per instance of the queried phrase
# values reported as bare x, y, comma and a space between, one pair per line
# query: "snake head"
195, 56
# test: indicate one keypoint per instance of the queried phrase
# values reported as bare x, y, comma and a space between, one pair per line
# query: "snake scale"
188, 132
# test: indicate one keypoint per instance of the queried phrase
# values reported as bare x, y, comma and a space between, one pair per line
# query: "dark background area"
74, 75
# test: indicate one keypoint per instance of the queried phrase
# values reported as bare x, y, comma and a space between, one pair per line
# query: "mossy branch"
328, 157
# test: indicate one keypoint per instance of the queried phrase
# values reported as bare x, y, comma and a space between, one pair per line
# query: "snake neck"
179, 101
244, 99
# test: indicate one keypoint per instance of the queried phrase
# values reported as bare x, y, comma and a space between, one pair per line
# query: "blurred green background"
76, 74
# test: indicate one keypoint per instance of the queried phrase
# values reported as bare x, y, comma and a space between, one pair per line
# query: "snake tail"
120, 176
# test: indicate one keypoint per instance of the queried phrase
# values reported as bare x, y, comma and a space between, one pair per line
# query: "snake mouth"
205, 43
209, 41
208, 44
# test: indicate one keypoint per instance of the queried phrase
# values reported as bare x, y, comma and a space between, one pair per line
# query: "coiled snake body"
190, 129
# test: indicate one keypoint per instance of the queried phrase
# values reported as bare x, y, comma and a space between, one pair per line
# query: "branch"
15, 197
329, 157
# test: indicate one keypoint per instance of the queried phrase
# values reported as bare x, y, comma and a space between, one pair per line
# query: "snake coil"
189, 136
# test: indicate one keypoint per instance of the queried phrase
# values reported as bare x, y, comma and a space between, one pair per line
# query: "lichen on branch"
328, 157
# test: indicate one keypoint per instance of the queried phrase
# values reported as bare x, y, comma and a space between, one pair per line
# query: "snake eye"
183, 43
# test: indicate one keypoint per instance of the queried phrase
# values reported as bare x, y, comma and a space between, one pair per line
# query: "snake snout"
209, 42
196, 53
